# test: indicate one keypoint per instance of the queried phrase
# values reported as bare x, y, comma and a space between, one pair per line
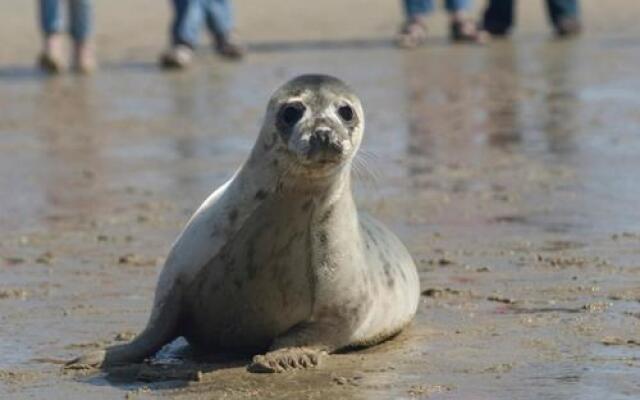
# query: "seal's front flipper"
287, 359
161, 329
303, 346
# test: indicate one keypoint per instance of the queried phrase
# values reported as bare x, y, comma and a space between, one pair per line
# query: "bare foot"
286, 359
84, 60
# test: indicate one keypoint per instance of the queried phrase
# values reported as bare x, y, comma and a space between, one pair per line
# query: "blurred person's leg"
499, 17
187, 22
185, 31
565, 16
456, 6
219, 18
80, 28
50, 18
414, 31
462, 28
80, 19
50, 59
417, 8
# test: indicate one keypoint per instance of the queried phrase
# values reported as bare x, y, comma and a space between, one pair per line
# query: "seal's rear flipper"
161, 329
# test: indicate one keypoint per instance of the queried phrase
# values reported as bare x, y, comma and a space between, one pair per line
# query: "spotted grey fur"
278, 259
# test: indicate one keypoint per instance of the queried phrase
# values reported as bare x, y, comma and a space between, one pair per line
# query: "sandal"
466, 31
412, 34
50, 60
177, 57
49, 63
228, 47
568, 26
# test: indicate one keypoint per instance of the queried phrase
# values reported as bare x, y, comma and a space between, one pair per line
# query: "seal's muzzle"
324, 142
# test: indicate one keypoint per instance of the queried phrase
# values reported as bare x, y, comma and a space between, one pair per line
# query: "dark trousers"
499, 15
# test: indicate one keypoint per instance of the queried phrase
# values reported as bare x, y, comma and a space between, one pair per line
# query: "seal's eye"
291, 113
346, 113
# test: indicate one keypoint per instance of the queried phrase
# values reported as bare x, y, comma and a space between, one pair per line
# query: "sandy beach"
509, 170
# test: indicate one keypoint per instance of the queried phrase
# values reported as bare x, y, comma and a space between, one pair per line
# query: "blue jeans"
414, 8
190, 14
499, 15
80, 18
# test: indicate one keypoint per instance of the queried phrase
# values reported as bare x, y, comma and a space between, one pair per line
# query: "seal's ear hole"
346, 113
291, 113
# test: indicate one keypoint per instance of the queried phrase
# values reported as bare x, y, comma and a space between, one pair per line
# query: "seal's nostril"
323, 136
314, 141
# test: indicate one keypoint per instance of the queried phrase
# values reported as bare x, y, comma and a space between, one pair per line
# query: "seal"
278, 258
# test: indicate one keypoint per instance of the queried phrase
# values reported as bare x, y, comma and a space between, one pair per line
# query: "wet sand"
510, 171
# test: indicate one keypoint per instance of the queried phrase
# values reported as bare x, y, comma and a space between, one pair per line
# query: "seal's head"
315, 123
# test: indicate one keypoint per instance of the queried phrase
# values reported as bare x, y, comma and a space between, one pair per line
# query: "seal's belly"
256, 288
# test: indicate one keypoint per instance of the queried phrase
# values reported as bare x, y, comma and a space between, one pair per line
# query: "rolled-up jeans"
190, 14
415, 8
80, 18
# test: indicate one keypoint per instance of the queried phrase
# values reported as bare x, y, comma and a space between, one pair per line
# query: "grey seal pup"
278, 258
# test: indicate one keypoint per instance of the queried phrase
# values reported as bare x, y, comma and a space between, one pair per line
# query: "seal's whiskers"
365, 171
